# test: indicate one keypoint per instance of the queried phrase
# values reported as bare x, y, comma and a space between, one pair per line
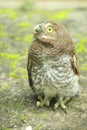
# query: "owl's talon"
63, 107
56, 106
47, 103
38, 104
65, 110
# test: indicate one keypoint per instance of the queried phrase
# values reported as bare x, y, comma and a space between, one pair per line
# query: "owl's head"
50, 32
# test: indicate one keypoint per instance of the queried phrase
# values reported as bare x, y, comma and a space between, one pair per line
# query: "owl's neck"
53, 51
44, 44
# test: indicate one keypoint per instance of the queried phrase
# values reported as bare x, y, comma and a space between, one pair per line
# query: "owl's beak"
37, 29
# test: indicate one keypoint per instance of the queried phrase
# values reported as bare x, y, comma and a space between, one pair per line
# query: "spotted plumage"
52, 65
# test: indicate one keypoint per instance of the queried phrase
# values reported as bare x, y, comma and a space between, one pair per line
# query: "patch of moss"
81, 47
23, 118
5, 129
84, 67
24, 24
9, 56
28, 38
39, 126
4, 87
61, 15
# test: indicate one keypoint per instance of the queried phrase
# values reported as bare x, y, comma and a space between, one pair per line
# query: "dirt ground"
17, 102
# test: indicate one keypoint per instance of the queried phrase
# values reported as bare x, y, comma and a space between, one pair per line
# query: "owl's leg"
46, 101
40, 98
56, 105
66, 99
42, 102
60, 103
63, 102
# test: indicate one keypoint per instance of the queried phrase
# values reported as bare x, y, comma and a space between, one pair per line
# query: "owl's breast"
55, 73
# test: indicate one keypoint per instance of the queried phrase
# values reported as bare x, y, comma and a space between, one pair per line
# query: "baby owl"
52, 65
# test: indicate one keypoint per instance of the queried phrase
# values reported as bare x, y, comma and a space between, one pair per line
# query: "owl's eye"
49, 29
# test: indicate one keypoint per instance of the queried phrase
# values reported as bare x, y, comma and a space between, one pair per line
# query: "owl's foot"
56, 105
63, 106
42, 101
66, 100
38, 103
62, 103
47, 103
41, 104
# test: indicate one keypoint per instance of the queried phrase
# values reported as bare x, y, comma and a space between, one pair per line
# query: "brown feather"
29, 68
75, 64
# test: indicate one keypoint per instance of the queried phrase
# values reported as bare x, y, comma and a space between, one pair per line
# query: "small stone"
28, 128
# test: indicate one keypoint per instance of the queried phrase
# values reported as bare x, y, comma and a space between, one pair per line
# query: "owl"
52, 65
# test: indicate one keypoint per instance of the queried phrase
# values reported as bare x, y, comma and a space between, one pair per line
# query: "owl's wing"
75, 64
29, 68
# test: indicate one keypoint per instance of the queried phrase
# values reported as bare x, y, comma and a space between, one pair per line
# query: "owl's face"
49, 32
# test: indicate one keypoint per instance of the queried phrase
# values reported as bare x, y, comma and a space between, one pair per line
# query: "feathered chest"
52, 72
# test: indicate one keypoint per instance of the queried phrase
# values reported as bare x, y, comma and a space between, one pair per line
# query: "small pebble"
28, 128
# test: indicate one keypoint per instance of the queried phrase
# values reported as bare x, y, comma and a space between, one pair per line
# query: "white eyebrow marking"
44, 36
48, 24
